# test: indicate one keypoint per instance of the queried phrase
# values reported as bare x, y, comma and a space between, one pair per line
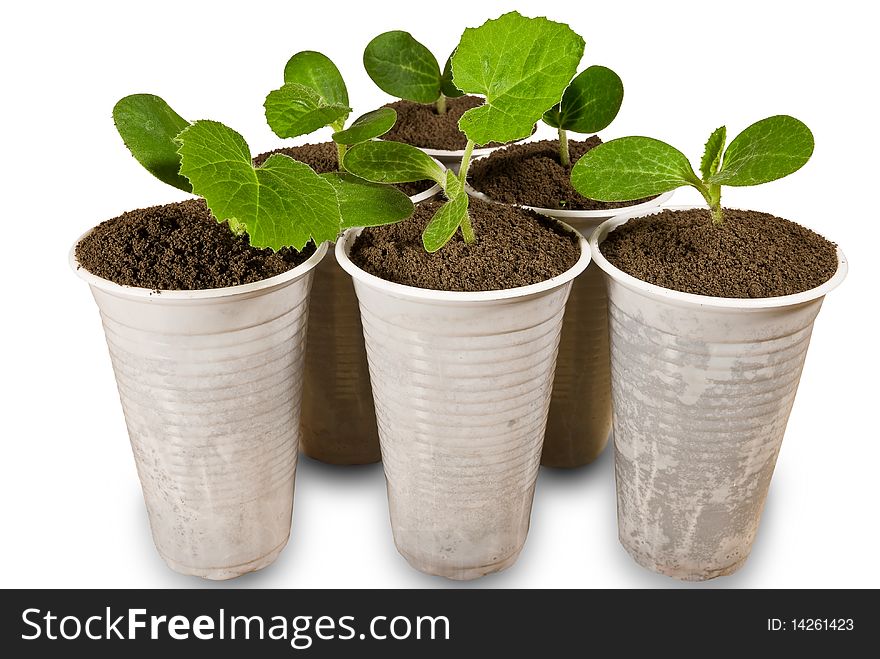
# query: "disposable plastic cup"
702, 388
210, 385
338, 418
461, 383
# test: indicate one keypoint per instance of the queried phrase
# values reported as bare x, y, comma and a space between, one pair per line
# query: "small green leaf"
282, 203
631, 168
765, 151
447, 87
295, 109
367, 126
318, 72
392, 162
521, 65
366, 204
403, 67
589, 103
448, 217
148, 126
712, 153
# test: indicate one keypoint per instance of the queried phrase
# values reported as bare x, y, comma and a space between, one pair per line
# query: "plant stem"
717, 214
440, 104
564, 156
467, 231
340, 154
712, 195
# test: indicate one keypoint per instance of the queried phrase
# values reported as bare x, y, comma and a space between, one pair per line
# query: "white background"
72, 513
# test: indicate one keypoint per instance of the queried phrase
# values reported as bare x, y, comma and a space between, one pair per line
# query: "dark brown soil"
179, 247
751, 255
323, 158
514, 247
532, 175
421, 125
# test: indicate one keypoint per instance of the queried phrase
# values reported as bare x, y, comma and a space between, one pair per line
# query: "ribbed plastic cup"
210, 384
579, 421
702, 389
461, 383
338, 418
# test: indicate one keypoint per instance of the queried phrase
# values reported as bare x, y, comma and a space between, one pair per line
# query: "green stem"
467, 231
440, 104
712, 195
564, 156
340, 154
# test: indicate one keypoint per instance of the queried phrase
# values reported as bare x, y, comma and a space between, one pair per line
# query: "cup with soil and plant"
314, 96
204, 304
462, 306
537, 175
711, 311
429, 105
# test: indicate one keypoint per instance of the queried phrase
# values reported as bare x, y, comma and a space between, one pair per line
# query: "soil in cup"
531, 174
179, 246
751, 255
514, 247
323, 158
422, 126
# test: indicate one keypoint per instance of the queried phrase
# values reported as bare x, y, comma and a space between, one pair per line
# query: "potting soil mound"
751, 255
422, 126
179, 247
323, 158
514, 247
531, 174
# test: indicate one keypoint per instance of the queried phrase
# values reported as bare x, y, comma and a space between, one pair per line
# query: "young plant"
521, 65
589, 104
403, 67
635, 167
282, 203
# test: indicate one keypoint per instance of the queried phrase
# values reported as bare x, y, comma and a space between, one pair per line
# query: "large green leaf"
447, 87
589, 103
318, 72
765, 151
712, 153
448, 217
295, 109
282, 203
148, 126
367, 126
366, 204
403, 67
631, 168
392, 162
521, 65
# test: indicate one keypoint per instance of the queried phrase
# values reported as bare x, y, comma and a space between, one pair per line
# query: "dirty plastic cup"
338, 419
702, 388
461, 383
579, 421
209, 382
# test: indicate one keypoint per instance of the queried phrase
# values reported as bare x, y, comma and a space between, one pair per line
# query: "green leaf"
367, 126
320, 74
403, 67
631, 168
521, 65
447, 87
712, 152
448, 217
295, 109
148, 126
392, 162
766, 151
282, 203
366, 204
589, 103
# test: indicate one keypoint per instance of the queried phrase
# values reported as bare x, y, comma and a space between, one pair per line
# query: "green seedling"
635, 167
406, 69
590, 102
282, 203
521, 66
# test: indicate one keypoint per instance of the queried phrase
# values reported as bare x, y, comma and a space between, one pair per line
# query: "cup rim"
692, 299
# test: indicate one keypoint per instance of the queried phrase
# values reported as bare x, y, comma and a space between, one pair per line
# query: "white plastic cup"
210, 385
461, 383
338, 418
579, 421
702, 388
